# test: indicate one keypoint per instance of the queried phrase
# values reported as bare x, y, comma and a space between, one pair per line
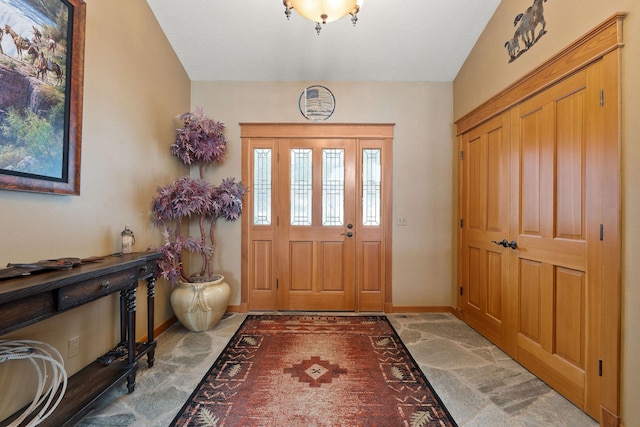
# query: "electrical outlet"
74, 347
402, 221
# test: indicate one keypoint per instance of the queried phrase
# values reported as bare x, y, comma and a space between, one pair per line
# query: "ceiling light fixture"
323, 11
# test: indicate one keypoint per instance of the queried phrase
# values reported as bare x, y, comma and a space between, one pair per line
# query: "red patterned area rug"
281, 370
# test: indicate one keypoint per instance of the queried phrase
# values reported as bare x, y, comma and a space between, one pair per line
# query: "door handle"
348, 234
503, 242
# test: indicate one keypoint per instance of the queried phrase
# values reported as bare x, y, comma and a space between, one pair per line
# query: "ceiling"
251, 40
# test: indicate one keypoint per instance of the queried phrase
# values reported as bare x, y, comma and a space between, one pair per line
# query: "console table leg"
123, 316
151, 292
131, 338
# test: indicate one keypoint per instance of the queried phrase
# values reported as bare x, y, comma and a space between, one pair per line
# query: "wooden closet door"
561, 309
554, 295
485, 227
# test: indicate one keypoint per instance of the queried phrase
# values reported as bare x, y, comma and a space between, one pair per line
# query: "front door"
317, 224
317, 219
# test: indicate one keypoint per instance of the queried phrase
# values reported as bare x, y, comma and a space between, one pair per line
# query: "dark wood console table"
30, 299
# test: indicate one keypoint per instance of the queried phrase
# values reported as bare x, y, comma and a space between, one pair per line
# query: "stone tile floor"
479, 384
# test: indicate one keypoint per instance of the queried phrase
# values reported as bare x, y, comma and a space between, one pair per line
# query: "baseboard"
235, 309
422, 309
608, 419
160, 329
388, 308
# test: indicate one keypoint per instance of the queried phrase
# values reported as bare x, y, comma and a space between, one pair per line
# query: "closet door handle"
503, 243
513, 244
348, 234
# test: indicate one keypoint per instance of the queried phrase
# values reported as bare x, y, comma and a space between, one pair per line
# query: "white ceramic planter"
200, 306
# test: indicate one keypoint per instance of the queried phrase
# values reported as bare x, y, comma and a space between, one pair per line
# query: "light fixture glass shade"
323, 10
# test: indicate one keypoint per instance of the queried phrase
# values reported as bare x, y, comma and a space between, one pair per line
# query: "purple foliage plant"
201, 142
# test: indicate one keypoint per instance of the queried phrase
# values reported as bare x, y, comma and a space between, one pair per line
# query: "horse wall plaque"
41, 82
525, 25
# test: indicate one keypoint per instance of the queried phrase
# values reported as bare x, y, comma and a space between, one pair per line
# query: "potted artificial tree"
199, 299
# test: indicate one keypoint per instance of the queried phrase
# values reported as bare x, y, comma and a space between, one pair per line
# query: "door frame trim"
363, 131
317, 130
591, 47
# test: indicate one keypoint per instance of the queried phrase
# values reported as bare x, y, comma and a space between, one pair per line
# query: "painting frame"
69, 181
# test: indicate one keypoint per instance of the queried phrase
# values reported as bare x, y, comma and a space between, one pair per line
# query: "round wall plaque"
317, 103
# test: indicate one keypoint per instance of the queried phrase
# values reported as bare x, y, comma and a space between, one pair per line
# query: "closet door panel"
485, 189
549, 132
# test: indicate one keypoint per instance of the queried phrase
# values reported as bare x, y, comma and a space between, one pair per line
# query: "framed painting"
41, 83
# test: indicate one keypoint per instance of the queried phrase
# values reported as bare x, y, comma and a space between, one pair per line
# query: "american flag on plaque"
317, 103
